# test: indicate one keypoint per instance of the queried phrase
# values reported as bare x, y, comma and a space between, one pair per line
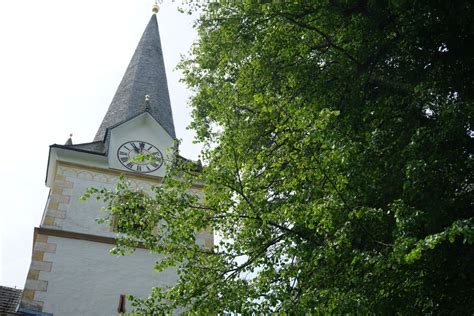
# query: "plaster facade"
85, 278
72, 272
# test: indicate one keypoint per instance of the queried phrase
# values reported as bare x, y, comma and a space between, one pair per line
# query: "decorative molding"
103, 175
109, 175
78, 236
205, 235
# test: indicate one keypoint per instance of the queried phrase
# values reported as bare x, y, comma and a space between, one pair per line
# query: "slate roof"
98, 148
145, 75
9, 299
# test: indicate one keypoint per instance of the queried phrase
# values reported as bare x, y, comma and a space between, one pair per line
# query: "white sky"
60, 64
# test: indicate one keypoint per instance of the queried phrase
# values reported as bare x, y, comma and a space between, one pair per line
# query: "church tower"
72, 272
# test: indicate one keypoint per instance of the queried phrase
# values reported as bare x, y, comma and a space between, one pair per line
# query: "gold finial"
156, 7
70, 135
147, 98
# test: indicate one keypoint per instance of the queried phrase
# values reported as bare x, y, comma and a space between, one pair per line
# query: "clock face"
129, 150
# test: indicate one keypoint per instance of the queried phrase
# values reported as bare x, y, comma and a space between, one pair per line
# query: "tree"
338, 162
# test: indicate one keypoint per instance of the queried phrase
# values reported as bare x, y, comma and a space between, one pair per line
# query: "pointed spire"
145, 75
69, 141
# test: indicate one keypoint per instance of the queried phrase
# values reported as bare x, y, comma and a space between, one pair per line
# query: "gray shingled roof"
94, 147
145, 75
9, 299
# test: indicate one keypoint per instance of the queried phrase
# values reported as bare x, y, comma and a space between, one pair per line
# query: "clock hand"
135, 148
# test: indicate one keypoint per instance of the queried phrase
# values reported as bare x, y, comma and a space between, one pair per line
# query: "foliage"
338, 162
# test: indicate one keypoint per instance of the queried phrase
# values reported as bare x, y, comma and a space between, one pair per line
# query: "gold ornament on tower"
156, 6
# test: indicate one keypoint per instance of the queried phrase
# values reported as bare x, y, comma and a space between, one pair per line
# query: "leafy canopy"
338, 162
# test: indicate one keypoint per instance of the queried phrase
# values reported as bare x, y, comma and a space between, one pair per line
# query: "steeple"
145, 76
138, 122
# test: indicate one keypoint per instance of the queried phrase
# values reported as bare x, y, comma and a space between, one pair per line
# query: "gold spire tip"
156, 6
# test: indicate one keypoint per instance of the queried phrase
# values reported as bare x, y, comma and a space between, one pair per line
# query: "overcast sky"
60, 64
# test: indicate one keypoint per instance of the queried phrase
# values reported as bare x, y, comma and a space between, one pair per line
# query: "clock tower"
72, 272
